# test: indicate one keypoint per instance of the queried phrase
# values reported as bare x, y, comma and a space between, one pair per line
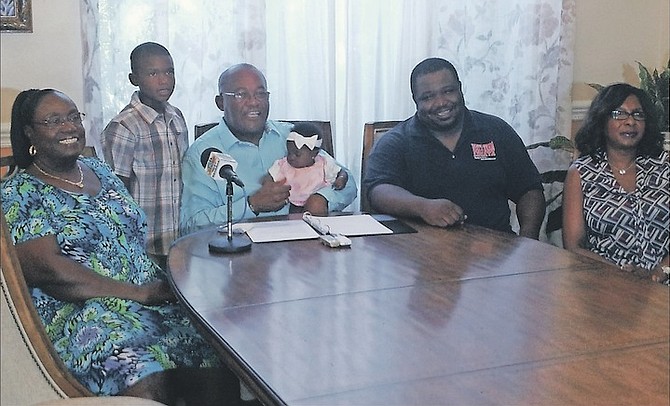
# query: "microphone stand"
232, 243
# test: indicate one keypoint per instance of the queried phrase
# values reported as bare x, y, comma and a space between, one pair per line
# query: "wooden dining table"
456, 316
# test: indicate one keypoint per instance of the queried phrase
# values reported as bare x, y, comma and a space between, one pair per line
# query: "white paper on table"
288, 230
284, 230
351, 226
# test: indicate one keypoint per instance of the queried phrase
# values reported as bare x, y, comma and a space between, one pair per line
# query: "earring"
32, 150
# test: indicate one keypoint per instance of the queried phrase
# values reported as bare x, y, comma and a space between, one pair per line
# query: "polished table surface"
463, 316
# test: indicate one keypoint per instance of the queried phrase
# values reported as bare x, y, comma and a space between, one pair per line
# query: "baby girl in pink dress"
304, 168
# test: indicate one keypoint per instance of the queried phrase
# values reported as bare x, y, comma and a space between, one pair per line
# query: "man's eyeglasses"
261, 95
55, 122
623, 115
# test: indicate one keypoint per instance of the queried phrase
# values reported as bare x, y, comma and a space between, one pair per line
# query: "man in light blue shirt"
255, 142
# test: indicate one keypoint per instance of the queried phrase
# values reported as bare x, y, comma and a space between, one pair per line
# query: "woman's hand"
657, 274
660, 274
156, 293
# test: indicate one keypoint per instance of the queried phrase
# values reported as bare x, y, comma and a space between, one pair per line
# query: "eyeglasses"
623, 115
55, 122
261, 95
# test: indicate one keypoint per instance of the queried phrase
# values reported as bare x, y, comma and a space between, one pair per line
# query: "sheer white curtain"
203, 37
344, 61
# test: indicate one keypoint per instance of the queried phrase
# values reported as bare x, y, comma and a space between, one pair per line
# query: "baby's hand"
340, 180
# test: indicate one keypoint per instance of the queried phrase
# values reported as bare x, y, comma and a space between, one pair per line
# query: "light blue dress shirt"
204, 199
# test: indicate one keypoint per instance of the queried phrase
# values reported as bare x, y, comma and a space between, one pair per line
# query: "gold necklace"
624, 170
79, 184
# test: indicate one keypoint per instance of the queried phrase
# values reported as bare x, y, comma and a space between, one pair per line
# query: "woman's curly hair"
591, 137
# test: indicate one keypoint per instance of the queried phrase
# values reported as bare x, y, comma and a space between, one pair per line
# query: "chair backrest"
372, 132
7, 166
323, 126
31, 368
200, 129
8, 163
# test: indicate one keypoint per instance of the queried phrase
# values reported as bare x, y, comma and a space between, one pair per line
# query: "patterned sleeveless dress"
106, 342
627, 228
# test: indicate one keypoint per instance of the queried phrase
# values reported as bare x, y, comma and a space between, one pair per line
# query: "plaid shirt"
147, 147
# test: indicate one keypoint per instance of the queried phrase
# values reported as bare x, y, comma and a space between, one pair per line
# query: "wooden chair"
7, 166
32, 372
372, 132
323, 126
200, 129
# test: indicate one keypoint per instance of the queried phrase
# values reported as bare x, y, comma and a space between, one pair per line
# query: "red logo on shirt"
484, 152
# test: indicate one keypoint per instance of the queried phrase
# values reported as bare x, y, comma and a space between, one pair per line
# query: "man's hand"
442, 213
272, 196
341, 180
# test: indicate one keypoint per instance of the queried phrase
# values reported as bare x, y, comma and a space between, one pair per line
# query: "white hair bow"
300, 140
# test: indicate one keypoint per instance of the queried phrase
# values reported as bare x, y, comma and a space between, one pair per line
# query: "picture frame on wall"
16, 16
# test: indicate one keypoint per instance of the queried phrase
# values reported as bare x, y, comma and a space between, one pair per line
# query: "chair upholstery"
31, 370
8, 166
323, 126
372, 132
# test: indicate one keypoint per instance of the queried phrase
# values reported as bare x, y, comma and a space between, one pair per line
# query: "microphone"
220, 166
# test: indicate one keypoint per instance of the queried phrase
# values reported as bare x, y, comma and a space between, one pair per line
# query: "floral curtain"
344, 61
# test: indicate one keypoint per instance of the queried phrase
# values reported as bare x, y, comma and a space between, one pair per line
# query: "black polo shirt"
489, 166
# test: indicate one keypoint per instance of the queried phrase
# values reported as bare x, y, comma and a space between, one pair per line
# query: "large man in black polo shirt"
447, 164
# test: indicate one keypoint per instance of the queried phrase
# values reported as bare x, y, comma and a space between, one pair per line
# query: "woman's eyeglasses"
623, 115
55, 122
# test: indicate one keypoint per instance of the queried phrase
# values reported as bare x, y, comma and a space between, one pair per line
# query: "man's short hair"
430, 65
224, 77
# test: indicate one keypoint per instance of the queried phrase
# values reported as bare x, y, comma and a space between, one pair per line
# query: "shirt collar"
228, 140
147, 113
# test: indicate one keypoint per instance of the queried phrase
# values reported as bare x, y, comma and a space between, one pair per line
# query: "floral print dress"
107, 343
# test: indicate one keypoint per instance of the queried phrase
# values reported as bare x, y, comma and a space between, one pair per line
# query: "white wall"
611, 35
50, 56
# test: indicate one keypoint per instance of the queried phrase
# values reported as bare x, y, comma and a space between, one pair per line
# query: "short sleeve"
331, 168
27, 213
276, 170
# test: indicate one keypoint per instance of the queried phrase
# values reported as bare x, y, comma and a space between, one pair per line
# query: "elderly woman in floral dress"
80, 239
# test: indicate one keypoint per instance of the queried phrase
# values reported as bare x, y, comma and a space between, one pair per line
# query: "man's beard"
454, 123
